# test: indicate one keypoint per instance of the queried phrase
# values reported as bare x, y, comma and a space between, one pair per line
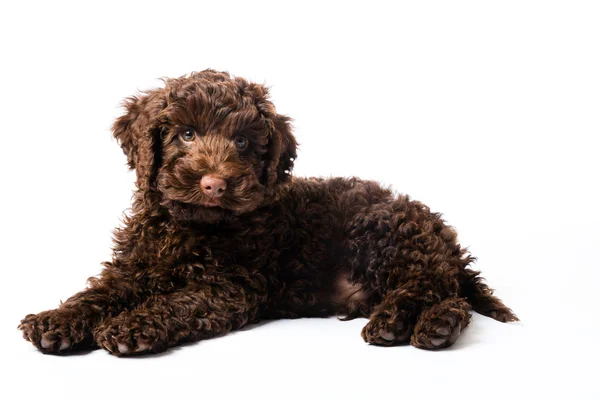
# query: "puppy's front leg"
70, 326
187, 315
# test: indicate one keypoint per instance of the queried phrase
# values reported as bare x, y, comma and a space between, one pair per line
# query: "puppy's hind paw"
383, 331
441, 325
437, 338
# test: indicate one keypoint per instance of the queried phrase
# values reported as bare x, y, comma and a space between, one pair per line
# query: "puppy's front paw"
56, 331
131, 334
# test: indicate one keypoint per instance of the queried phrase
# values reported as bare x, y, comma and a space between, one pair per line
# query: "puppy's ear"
282, 146
138, 133
282, 150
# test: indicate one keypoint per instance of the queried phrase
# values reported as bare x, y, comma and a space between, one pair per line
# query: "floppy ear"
282, 150
138, 133
282, 144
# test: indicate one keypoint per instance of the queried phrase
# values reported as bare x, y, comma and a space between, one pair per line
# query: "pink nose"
213, 186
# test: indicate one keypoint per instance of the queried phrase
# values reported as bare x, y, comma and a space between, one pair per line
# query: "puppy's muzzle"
213, 186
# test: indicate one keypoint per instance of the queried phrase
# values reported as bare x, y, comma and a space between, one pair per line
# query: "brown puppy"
220, 236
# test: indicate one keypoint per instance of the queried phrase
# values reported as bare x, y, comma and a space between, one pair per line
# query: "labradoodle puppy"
220, 235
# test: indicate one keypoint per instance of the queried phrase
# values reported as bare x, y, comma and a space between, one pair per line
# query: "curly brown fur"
190, 264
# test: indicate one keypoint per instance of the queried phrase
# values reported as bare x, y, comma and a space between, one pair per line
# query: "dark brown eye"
240, 142
188, 134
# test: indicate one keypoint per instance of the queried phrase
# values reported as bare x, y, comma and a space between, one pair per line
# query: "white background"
486, 111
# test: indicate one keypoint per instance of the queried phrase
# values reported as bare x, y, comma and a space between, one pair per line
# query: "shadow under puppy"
220, 235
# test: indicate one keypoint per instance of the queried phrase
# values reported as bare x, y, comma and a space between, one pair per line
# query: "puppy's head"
209, 146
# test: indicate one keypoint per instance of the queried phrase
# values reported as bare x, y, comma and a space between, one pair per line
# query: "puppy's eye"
240, 142
188, 134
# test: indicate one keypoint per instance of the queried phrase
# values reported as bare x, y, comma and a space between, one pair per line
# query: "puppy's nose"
213, 186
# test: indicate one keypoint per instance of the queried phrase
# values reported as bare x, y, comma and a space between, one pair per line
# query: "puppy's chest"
223, 250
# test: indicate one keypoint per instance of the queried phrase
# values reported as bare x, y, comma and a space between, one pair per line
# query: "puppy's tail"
482, 298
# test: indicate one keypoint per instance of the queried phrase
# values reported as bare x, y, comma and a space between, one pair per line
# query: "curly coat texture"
189, 264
